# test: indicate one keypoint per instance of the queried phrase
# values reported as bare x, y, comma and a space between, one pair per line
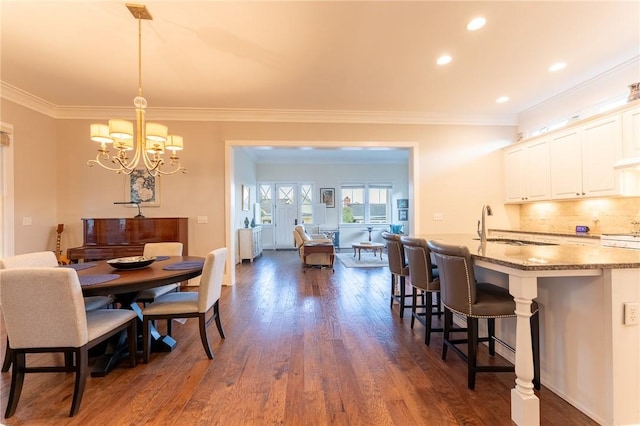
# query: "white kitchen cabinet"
250, 243
582, 160
631, 133
527, 175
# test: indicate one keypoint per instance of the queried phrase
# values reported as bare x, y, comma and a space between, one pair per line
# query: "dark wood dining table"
125, 285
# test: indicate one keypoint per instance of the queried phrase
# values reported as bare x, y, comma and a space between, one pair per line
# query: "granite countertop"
556, 234
544, 257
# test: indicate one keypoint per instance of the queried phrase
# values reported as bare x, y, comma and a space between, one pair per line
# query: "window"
266, 204
306, 203
365, 203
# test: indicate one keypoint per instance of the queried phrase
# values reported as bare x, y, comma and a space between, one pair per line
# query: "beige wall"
458, 169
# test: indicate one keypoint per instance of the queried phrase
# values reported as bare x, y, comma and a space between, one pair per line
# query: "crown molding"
23, 98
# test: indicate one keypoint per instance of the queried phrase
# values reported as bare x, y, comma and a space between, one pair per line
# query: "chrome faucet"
482, 229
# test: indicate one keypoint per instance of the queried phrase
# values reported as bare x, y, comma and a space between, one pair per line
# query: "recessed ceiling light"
502, 99
443, 60
476, 23
557, 66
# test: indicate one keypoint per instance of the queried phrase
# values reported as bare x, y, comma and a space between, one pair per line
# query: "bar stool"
398, 267
463, 295
423, 281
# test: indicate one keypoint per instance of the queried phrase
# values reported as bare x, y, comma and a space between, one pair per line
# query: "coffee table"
375, 247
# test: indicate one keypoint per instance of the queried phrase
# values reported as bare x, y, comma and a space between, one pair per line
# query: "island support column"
525, 405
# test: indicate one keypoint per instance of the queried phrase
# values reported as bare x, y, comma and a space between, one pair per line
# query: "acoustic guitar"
62, 259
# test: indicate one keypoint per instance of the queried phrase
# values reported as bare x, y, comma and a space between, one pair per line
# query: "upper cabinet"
582, 160
575, 162
631, 133
527, 172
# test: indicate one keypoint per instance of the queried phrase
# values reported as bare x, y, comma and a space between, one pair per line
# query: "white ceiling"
348, 58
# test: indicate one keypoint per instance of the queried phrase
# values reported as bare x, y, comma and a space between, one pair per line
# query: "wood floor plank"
312, 347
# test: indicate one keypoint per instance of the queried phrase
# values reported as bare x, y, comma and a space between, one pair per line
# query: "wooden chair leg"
393, 289
535, 343
216, 312
428, 318
448, 319
82, 368
414, 303
203, 334
402, 294
472, 348
6, 364
146, 340
18, 360
491, 329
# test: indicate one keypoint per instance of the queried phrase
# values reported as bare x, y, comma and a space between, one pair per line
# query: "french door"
286, 214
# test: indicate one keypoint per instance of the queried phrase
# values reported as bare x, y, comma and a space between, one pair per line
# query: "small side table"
375, 247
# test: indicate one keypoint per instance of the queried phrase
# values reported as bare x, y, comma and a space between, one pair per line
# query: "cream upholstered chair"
159, 249
34, 325
190, 304
45, 259
462, 294
300, 237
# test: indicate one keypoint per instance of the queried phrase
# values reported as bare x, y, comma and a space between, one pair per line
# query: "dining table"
101, 278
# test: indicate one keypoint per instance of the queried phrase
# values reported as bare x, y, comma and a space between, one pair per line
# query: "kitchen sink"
517, 242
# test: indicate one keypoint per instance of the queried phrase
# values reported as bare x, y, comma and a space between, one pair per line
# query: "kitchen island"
589, 356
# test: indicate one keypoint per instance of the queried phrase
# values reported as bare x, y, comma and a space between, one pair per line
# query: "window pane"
379, 206
352, 201
266, 204
306, 203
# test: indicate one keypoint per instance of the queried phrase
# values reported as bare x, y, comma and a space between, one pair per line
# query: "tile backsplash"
601, 215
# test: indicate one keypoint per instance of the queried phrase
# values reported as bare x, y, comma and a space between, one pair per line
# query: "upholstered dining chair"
36, 325
423, 282
190, 304
46, 259
476, 300
399, 270
159, 249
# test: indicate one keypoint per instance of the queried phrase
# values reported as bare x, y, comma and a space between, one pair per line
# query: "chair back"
395, 254
46, 259
420, 267
43, 307
457, 279
162, 249
211, 280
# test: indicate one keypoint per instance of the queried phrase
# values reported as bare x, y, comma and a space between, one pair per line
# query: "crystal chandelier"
148, 142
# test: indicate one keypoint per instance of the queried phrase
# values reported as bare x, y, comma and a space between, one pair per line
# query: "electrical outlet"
203, 219
438, 216
631, 313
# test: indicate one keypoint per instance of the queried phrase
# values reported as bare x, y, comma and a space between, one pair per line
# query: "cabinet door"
566, 165
631, 133
538, 175
601, 148
514, 167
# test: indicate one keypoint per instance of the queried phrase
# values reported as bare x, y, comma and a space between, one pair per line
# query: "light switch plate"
203, 219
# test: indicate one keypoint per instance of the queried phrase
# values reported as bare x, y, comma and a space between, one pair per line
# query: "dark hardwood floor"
314, 348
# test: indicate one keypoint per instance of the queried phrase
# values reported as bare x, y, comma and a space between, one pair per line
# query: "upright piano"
110, 238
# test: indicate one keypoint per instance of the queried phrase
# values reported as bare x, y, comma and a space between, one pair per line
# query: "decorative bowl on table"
132, 262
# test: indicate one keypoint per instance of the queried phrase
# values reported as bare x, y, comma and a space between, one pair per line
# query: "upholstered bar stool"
463, 295
399, 269
423, 281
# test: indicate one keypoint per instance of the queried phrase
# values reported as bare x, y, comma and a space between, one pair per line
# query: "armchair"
320, 259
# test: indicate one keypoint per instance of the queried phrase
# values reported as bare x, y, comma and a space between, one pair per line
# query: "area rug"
367, 260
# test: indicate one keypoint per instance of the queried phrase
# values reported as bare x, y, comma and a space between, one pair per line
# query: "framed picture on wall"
403, 203
403, 214
141, 187
327, 196
246, 197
